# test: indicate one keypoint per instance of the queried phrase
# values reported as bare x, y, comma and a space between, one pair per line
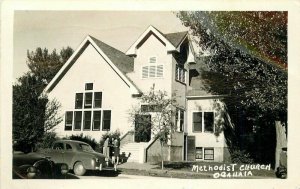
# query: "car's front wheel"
79, 169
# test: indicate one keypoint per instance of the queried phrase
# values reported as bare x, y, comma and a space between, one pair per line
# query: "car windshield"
86, 147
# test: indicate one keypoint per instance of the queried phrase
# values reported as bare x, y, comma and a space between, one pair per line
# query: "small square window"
89, 86
208, 154
199, 154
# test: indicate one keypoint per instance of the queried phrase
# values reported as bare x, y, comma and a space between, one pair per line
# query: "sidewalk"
148, 169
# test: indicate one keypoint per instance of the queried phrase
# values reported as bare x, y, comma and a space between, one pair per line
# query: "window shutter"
145, 72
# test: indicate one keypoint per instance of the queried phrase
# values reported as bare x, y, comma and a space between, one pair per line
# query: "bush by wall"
241, 156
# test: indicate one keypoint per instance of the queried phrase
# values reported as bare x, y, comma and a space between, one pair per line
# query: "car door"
69, 154
57, 152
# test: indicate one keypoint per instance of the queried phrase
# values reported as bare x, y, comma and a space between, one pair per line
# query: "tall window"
87, 120
179, 119
97, 99
88, 100
209, 121
88, 114
97, 120
69, 121
203, 121
78, 100
106, 120
77, 123
197, 121
180, 74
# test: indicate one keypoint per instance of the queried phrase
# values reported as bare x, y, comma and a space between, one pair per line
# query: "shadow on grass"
104, 173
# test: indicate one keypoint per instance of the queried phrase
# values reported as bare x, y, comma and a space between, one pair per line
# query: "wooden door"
191, 148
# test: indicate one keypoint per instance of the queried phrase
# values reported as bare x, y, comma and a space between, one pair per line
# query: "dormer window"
152, 69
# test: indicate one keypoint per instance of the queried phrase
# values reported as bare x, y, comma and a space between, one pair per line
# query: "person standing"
105, 148
117, 150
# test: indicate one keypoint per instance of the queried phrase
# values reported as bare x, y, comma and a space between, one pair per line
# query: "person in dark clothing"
116, 150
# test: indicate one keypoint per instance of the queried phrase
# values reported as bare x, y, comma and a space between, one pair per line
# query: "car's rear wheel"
79, 169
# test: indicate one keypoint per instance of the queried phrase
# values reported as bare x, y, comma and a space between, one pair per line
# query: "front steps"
134, 152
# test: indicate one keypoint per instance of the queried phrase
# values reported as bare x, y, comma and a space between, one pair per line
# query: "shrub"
115, 134
47, 140
87, 139
241, 156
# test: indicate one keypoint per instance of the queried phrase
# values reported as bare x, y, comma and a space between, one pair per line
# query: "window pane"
197, 121
177, 119
209, 121
78, 117
97, 120
58, 146
98, 99
199, 154
87, 120
177, 73
88, 100
68, 147
181, 120
68, 121
208, 153
106, 120
78, 100
89, 86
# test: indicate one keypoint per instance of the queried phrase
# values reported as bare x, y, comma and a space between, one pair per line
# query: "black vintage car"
36, 166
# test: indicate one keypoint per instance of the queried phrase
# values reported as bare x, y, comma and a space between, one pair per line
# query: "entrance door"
191, 148
142, 128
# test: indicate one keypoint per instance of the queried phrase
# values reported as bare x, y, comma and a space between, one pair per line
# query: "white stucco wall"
205, 139
90, 67
152, 47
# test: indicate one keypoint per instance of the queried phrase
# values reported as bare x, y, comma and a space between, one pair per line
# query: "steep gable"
176, 38
118, 61
171, 41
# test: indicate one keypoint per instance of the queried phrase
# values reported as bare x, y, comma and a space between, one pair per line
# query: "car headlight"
31, 172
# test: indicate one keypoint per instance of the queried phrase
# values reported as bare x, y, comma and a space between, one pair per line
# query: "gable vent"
152, 60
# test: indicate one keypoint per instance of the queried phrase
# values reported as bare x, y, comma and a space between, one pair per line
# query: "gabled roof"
176, 38
172, 40
119, 62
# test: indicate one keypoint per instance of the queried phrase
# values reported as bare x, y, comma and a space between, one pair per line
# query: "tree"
34, 115
248, 63
161, 107
45, 65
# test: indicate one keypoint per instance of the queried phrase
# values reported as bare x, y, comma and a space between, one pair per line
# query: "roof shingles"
118, 58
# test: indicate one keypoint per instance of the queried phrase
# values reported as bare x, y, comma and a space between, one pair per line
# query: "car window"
86, 147
58, 146
68, 147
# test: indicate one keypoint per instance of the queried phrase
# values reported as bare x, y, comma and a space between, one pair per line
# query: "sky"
58, 29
